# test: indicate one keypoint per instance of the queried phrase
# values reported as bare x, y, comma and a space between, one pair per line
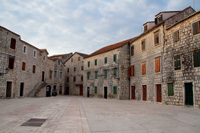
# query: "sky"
64, 26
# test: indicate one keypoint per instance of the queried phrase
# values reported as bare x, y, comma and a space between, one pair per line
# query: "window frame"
34, 68
11, 62
157, 38
114, 90
175, 64
157, 68
143, 44
95, 89
105, 74
13, 43
25, 49
144, 68
176, 36
88, 75
132, 50
88, 64
196, 51
115, 58
105, 60
95, 62
96, 74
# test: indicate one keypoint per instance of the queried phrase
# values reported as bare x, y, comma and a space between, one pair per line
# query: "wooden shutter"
195, 28
170, 89
132, 70
81, 78
23, 66
129, 71
143, 68
157, 65
196, 57
156, 38
11, 62
13, 43
115, 90
33, 68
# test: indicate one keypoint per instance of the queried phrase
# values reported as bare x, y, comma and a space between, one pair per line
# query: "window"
67, 79
79, 58
143, 68
177, 62
115, 90
88, 63
95, 89
55, 74
196, 57
196, 28
50, 74
115, 72
71, 59
95, 62
143, 45
81, 78
67, 69
24, 49
156, 38
145, 28
88, 75
34, 54
131, 71
60, 74
74, 78
82, 68
11, 62
13, 43
96, 74
33, 68
23, 66
132, 50
170, 89
105, 60
157, 64
74, 69
115, 58
58, 62
105, 74
44, 57
176, 36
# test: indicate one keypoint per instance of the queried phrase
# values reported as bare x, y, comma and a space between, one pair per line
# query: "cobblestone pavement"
72, 114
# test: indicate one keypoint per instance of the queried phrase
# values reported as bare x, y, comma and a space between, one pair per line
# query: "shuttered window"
143, 68
67, 79
13, 43
60, 74
50, 74
115, 90
11, 62
196, 57
157, 64
143, 45
196, 28
170, 89
96, 74
74, 78
95, 89
95, 62
71, 59
115, 72
67, 69
33, 68
55, 74
105, 74
74, 69
23, 66
79, 58
156, 38
82, 68
132, 50
177, 62
131, 71
88, 75
105, 60
88, 63
176, 36
114, 57
81, 78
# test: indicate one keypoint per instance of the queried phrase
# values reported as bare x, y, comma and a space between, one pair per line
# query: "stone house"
74, 74
182, 60
24, 69
105, 72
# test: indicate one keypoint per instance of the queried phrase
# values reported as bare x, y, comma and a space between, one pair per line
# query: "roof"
110, 47
60, 55
81, 54
149, 22
44, 50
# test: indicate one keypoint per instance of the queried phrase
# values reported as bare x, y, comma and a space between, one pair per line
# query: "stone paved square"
73, 114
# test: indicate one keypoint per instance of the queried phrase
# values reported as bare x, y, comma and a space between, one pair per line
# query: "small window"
88, 76
143, 45
13, 43
24, 49
105, 74
115, 90
196, 28
33, 68
34, 54
132, 50
44, 57
105, 60
176, 36
157, 64
58, 62
177, 62
95, 62
74, 78
71, 59
60, 74
196, 58
23, 66
67, 79
115, 72
74, 69
96, 74
79, 58
82, 68
88, 63
55, 74
143, 68
145, 28
95, 89
156, 38
170, 89
131, 71
81, 78
67, 69
11, 62
50, 74
115, 58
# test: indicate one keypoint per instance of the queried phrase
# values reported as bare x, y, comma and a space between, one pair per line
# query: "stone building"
24, 69
62, 57
105, 72
74, 74
182, 59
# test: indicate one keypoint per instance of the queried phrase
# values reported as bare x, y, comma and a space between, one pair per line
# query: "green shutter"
88, 76
105, 74
196, 57
114, 57
115, 72
96, 73
195, 28
115, 90
170, 89
105, 60
95, 89
88, 63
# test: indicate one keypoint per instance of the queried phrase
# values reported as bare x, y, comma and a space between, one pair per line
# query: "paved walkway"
71, 114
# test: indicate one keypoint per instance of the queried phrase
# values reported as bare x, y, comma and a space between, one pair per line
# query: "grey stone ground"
71, 114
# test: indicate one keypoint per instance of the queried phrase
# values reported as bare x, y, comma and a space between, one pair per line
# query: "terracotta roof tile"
43, 50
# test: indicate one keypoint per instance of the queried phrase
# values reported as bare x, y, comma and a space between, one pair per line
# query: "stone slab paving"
73, 114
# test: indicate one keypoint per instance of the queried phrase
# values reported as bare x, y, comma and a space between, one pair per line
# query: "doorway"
8, 89
48, 91
88, 92
105, 92
188, 94
81, 90
60, 90
159, 93
133, 92
67, 91
21, 89
144, 88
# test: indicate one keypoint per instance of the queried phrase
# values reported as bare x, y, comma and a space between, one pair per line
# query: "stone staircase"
36, 89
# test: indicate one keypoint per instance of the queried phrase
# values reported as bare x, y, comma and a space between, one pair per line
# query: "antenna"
194, 4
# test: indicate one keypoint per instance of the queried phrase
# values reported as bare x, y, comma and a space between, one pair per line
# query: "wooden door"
8, 89
159, 93
144, 92
67, 91
81, 90
105, 92
88, 92
132, 92
48, 91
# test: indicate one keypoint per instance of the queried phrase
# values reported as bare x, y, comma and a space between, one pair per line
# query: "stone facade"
31, 69
74, 74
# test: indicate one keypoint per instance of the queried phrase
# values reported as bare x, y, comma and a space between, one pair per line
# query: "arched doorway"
48, 91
